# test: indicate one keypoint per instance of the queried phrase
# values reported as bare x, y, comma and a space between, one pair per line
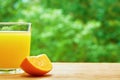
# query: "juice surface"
14, 47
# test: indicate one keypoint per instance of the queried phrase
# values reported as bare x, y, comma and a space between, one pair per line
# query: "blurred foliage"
13, 27
69, 30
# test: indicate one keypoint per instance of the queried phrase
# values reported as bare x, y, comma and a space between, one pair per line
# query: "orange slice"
36, 65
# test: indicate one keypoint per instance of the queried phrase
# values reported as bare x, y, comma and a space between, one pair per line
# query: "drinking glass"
15, 40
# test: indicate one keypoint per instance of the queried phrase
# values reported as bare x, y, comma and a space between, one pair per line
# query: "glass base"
11, 71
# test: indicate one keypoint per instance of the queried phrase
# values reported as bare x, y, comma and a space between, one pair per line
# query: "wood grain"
73, 71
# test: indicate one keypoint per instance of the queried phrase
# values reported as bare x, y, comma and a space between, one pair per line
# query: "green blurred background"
69, 30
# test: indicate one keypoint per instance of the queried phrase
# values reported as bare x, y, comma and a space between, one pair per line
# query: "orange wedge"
36, 65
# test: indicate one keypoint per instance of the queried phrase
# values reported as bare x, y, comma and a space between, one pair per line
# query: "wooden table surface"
74, 71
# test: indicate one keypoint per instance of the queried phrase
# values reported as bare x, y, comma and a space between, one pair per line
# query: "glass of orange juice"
15, 40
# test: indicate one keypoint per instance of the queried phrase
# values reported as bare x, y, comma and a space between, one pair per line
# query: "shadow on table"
30, 76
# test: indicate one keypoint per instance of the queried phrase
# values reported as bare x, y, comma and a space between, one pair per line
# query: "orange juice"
14, 47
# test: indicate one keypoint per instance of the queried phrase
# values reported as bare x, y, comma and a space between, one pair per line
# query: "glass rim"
16, 23
25, 23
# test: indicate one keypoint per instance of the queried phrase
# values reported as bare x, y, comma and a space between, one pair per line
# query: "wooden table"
74, 71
